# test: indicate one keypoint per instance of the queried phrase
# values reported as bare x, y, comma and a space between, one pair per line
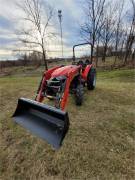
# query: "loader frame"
47, 122
64, 98
78, 72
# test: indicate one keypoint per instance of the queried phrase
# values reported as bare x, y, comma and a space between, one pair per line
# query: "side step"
47, 122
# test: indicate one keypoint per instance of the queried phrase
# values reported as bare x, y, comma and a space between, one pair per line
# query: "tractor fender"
86, 71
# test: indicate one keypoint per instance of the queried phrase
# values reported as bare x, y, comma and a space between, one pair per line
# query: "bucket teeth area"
44, 121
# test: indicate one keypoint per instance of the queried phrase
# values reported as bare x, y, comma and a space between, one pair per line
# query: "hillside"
99, 145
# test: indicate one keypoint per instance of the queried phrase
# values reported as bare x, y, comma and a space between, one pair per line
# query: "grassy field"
99, 145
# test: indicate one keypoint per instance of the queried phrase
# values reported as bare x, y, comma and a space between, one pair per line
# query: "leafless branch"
90, 29
39, 22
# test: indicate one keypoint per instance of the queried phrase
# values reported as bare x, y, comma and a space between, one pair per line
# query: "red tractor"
52, 123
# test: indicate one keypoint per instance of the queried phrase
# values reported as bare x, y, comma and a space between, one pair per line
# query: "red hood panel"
64, 71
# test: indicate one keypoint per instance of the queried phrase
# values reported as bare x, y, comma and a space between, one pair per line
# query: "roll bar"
82, 44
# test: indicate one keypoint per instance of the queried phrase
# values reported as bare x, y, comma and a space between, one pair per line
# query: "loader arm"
86, 71
47, 122
42, 85
70, 77
65, 92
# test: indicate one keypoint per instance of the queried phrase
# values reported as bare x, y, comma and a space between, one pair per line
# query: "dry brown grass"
100, 143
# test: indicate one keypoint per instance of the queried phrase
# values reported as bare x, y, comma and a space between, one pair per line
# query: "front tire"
79, 95
91, 79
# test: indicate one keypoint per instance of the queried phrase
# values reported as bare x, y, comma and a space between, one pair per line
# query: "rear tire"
91, 79
79, 95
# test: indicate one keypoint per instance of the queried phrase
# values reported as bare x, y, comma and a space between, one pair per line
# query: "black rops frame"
82, 44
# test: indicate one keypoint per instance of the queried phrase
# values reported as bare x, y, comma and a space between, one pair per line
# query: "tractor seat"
87, 62
80, 63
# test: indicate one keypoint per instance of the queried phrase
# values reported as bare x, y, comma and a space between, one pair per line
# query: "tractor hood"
65, 71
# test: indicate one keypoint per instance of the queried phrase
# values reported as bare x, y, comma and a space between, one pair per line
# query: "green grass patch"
99, 145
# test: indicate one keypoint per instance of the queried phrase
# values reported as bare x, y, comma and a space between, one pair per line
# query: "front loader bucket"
47, 122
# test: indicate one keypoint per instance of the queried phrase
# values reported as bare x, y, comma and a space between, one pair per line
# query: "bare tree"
118, 29
122, 42
131, 36
35, 33
90, 29
107, 33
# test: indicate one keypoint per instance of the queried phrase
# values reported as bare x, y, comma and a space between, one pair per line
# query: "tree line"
106, 25
110, 25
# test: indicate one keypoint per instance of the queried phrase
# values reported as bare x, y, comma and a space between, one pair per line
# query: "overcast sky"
9, 18
10, 15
